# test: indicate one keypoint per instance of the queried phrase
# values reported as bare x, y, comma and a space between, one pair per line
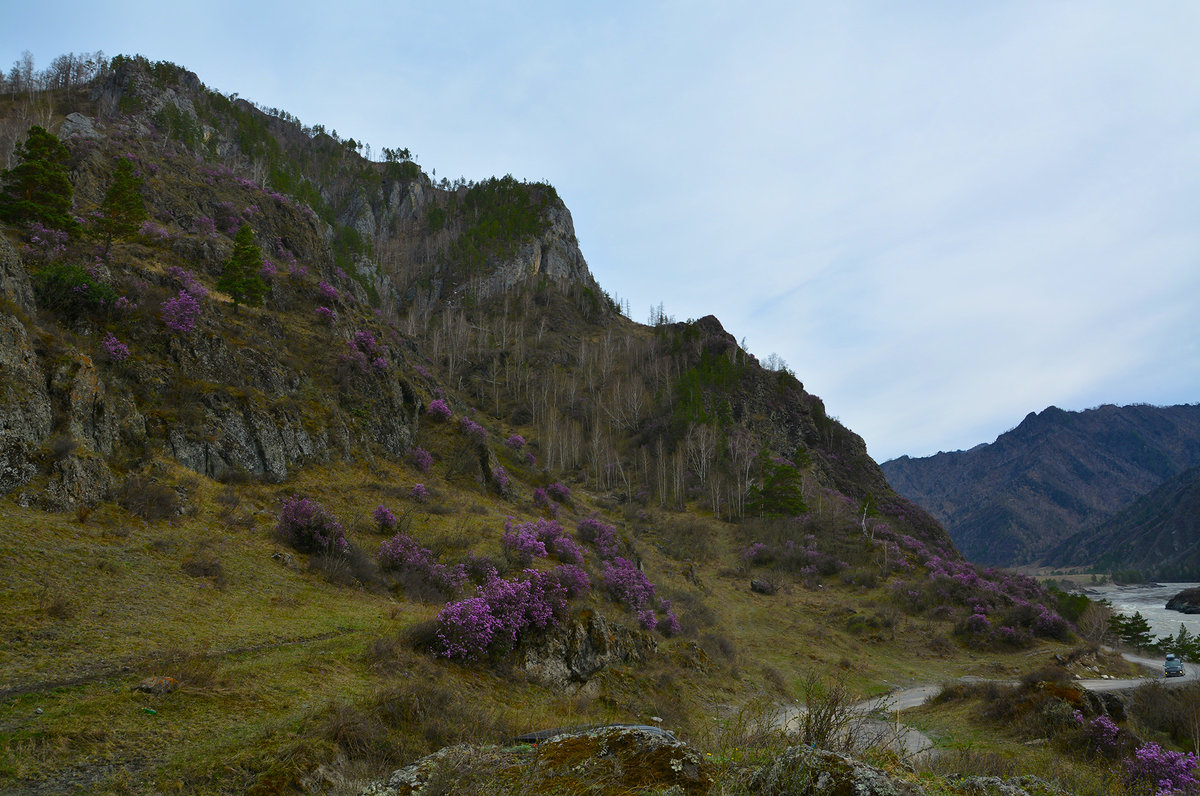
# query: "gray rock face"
26, 414
235, 437
569, 655
76, 124
554, 255
14, 280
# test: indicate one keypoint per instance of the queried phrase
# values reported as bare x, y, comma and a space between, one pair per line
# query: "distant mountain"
1158, 535
1057, 473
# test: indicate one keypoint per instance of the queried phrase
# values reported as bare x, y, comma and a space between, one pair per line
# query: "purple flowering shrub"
1102, 736
626, 584
306, 526
559, 491
526, 541
328, 292
188, 281
421, 459
1154, 771
493, 621
995, 608
501, 481
465, 629
114, 349
516, 442
541, 499
473, 429
573, 579
45, 244
419, 493
385, 520
438, 409
418, 566
327, 315
153, 233
522, 545
600, 534
804, 559
363, 354
181, 312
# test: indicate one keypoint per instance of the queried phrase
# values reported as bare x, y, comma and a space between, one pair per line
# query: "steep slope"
1056, 473
1159, 535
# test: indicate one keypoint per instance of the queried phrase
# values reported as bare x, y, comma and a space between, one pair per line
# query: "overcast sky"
942, 215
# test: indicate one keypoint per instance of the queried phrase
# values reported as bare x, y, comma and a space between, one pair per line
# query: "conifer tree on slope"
123, 209
38, 188
241, 277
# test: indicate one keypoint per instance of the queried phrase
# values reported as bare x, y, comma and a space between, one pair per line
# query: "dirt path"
107, 671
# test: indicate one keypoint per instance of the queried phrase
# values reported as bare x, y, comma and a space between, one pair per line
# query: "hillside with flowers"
313, 466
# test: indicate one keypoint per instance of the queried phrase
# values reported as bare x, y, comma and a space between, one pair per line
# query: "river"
1151, 602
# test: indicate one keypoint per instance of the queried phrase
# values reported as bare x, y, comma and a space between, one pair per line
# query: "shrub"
1101, 734
401, 554
493, 621
181, 312
529, 540
384, 518
600, 534
516, 442
559, 491
465, 629
421, 459
147, 498
327, 315
306, 526
419, 493
500, 479
573, 579
1154, 771
522, 544
439, 410
114, 349
626, 584
73, 290
473, 429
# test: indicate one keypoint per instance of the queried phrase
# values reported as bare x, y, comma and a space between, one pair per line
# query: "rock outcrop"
568, 656
1186, 602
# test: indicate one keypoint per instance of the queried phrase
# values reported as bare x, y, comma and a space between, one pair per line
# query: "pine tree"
241, 278
1135, 631
38, 187
123, 209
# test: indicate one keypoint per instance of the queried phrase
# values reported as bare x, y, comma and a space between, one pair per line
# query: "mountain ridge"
1055, 473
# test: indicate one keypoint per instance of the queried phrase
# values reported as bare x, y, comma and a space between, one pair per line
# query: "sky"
941, 215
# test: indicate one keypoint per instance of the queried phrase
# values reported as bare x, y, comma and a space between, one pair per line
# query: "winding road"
912, 743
